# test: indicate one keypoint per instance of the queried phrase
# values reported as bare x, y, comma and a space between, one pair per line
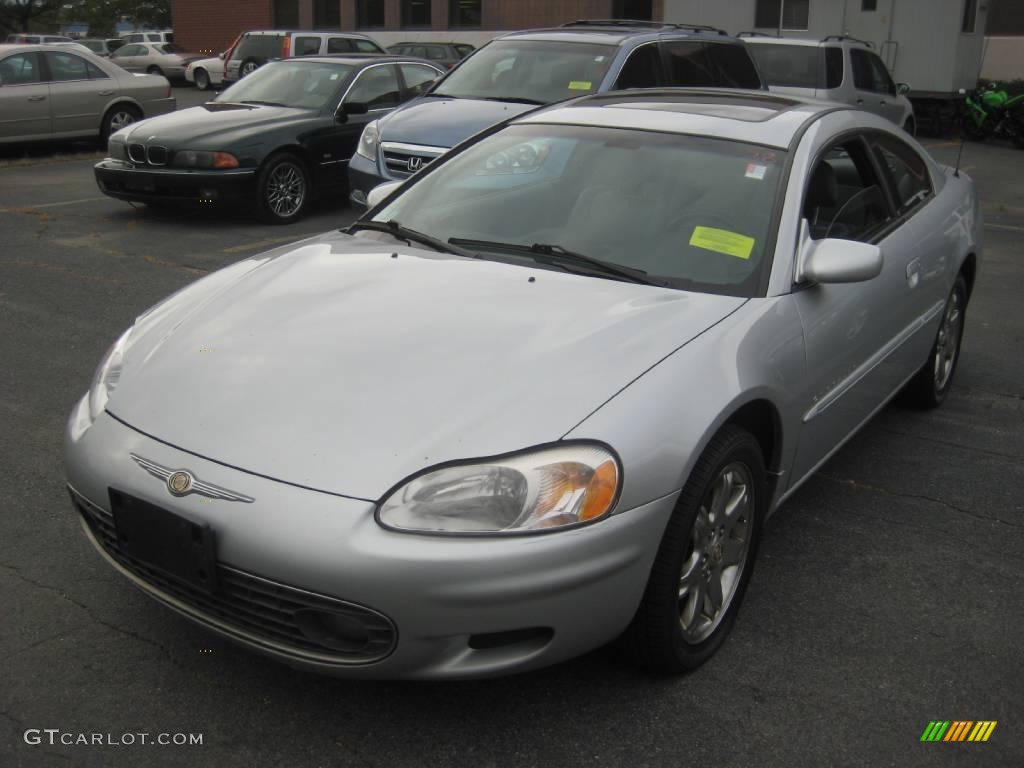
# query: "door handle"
36, 98
913, 273
104, 93
883, 102
860, 101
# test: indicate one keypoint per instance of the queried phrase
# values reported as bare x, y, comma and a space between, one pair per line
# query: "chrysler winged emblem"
181, 482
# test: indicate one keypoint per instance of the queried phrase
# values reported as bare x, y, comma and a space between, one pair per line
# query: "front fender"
662, 422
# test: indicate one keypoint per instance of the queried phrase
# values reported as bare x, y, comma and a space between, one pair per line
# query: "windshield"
792, 66
690, 212
529, 70
299, 84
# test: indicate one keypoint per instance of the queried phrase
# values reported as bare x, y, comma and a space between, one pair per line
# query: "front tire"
705, 559
202, 79
932, 383
248, 67
283, 189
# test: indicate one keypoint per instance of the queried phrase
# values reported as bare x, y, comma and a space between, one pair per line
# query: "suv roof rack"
751, 33
642, 23
847, 37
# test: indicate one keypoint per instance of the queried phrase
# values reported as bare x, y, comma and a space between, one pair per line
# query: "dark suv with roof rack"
520, 70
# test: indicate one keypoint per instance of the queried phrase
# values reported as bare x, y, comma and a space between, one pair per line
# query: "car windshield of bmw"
298, 84
680, 211
529, 71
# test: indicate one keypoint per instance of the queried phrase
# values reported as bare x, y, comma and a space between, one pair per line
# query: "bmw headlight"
107, 376
541, 490
190, 158
368, 141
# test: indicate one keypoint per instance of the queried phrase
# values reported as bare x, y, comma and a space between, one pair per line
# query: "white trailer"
936, 46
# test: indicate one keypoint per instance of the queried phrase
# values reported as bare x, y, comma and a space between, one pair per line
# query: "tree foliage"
19, 15
100, 15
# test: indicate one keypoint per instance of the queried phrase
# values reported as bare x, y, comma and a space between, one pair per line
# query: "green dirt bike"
992, 112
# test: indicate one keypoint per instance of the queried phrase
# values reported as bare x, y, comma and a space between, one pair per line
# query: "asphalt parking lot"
888, 593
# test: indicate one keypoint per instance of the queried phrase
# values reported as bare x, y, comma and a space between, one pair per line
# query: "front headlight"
190, 158
368, 141
542, 490
107, 376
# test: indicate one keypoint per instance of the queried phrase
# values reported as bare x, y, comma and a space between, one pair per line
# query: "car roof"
305, 32
11, 47
831, 40
757, 117
618, 32
360, 58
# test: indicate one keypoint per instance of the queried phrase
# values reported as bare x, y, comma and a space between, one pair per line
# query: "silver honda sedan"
541, 397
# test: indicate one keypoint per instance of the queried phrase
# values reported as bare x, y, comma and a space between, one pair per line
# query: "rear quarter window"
833, 68
734, 68
260, 47
788, 66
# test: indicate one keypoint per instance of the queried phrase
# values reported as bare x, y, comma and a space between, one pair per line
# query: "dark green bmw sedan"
272, 141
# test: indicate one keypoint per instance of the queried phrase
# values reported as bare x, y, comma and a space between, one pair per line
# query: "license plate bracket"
172, 544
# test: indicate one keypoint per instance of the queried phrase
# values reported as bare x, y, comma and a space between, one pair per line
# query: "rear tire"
202, 79
117, 117
711, 538
154, 70
932, 383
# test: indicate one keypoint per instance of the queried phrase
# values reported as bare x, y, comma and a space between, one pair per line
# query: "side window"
880, 76
908, 173
844, 197
95, 72
687, 64
833, 67
305, 46
20, 69
642, 69
417, 78
339, 45
435, 52
366, 46
735, 67
377, 87
66, 66
419, 51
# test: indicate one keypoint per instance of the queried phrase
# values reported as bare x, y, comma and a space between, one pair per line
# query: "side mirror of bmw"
351, 108
378, 193
840, 261
902, 89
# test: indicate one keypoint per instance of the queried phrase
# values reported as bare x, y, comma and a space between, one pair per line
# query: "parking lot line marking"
1009, 227
50, 205
260, 244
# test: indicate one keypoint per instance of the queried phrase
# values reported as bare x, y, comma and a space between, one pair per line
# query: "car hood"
443, 121
345, 364
218, 121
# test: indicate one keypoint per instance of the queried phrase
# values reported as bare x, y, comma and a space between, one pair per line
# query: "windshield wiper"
410, 236
557, 256
263, 103
512, 99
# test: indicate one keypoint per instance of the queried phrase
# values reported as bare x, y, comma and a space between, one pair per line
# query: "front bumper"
135, 183
457, 606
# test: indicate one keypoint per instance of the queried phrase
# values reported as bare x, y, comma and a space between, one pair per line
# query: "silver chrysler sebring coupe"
541, 397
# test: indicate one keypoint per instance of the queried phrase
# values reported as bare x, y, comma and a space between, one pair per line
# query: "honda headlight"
107, 376
368, 141
542, 490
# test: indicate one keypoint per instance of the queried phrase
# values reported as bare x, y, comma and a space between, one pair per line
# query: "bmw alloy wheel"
286, 190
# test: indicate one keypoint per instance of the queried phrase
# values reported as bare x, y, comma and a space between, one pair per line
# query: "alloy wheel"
286, 190
717, 553
948, 343
120, 119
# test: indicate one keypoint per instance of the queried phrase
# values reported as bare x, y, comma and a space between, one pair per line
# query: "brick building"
204, 25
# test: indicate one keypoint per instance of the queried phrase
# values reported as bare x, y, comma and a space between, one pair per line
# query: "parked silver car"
542, 396
165, 59
50, 92
836, 69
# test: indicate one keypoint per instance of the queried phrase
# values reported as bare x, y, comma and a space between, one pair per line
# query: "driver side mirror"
351, 108
902, 89
833, 260
381, 191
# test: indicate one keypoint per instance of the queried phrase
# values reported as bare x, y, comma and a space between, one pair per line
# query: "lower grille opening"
304, 624
534, 636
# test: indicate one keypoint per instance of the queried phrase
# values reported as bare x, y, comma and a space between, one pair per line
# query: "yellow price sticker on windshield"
580, 85
722, 241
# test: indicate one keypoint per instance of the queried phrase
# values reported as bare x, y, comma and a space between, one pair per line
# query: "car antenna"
959, 154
